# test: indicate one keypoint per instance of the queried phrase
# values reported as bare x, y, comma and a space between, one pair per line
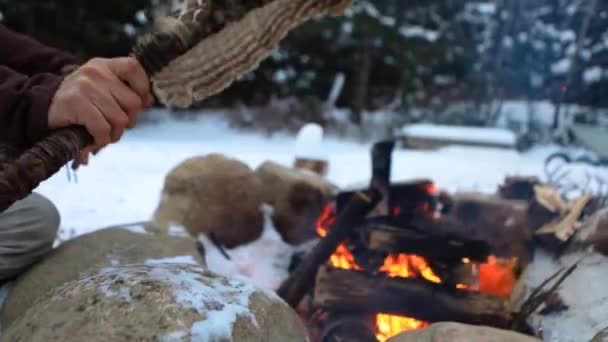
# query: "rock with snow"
447, 332
212, 195
170, 302
439, 135
89, 253
298, 198
602, 336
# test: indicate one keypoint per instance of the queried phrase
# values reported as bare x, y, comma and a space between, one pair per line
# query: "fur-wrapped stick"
190, 56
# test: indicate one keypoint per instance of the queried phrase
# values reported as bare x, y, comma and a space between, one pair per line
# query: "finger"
82, 159
94, 121
129, 101
112, 111
96, 150
130, 71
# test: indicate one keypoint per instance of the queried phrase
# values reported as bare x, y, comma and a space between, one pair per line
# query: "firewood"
354, 291
549, 198
565, 227
427, 240
302, 279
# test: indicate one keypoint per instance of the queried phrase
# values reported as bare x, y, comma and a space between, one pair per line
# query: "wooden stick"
354, 291
303, 278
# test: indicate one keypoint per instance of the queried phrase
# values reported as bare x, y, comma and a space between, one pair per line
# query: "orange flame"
388, 326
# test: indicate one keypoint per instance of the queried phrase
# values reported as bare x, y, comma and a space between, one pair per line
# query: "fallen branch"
539, 297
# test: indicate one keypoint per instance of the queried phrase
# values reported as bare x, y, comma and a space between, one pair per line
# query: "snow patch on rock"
183, 259
137, 229
178, 231
220, 300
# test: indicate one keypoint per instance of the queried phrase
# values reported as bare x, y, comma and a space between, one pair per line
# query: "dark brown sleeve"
24, 106
30, 57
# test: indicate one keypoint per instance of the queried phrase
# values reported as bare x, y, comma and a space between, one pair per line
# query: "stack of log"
349, 297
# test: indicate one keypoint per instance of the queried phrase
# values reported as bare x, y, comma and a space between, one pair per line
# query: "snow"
461, 134
137, 229
178, 231
541, 111
487, 8
593, 74
184, 259
561, 67
264, 261
584, 292
419, 32
309, 142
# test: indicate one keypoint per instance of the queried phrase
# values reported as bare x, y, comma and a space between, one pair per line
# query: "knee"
46, 218
36, 222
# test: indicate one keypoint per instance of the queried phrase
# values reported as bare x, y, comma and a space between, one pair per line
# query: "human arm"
24, 106
30, 57
104, 95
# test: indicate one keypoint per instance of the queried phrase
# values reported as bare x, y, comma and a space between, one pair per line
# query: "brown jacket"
29, 77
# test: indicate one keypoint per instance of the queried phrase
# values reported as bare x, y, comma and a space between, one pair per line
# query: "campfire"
387, 262
495, 276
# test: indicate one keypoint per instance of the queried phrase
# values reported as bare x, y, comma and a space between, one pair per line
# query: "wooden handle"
20, 177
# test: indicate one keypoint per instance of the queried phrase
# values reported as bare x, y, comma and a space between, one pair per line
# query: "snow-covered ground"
123, 183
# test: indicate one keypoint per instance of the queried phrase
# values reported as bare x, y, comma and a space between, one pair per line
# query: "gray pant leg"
27, 231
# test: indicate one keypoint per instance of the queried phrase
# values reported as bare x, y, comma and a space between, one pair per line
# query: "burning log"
303, 278
408, 297
428, 239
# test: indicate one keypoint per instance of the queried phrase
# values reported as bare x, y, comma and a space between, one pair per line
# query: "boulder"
168, 302
88, 254
212, 195
449, 332
602, 336
298, 198
500, 222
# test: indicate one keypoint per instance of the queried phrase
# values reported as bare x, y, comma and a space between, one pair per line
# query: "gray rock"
89, 253
168, 302
456, 332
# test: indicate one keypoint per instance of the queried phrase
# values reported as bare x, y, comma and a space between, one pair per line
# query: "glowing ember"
497, 276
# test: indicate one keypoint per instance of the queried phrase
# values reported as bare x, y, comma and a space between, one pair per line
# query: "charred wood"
353, 291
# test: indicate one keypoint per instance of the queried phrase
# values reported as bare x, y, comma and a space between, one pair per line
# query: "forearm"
30, 57
24, 106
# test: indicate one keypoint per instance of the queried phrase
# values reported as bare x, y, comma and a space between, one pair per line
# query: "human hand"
105, 96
